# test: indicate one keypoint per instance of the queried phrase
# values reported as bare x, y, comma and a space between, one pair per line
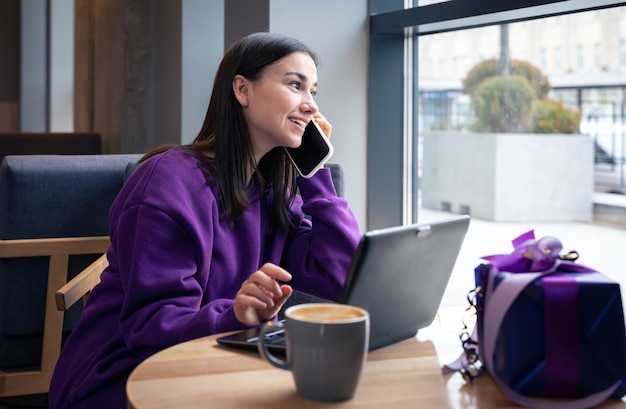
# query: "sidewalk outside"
600, 246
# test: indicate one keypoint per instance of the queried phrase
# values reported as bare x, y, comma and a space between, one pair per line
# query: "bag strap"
496, 306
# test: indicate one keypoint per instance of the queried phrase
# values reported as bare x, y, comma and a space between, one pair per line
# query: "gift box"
562, 334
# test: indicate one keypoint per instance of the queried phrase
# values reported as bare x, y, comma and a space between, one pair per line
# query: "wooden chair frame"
80, 286
15, 383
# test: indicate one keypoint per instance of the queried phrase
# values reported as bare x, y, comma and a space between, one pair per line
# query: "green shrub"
537, 80
503, 104
489, 68
553, 117
479, 72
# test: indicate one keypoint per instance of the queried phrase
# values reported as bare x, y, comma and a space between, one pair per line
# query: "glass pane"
534, 138
570, 72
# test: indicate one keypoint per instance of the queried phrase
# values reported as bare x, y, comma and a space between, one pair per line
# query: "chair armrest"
52, 246
81, 285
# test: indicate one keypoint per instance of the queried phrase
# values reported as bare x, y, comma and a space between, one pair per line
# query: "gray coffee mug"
327, 346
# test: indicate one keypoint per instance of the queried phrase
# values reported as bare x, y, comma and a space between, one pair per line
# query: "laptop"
398, 274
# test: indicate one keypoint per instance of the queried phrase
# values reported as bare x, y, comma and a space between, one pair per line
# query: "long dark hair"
224, 132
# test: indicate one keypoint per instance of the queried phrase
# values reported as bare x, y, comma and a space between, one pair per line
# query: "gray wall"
201, 53
34, 64
61, 66
338, 31
47, 61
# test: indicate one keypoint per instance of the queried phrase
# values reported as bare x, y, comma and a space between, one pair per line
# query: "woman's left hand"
261, 296
323, 123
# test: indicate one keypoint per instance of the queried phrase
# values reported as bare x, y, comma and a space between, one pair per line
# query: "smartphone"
313, 152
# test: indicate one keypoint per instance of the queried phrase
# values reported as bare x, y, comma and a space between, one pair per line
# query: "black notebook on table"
398, 274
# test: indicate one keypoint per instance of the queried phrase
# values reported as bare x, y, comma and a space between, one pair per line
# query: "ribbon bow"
531, 255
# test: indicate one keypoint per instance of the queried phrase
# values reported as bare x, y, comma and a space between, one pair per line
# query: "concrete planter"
509, 177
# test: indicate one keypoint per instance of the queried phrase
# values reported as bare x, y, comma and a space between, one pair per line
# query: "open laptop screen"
399, 275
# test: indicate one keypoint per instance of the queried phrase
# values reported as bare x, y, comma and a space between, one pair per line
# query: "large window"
583, 74
488, 162
590, 90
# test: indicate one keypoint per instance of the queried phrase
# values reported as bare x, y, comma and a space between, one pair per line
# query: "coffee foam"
326, 313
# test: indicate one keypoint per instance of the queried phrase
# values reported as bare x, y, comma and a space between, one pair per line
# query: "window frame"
392, 155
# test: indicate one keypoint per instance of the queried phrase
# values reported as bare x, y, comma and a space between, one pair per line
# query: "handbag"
546, 327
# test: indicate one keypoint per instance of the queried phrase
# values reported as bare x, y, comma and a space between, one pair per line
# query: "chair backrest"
47, 196
336, 171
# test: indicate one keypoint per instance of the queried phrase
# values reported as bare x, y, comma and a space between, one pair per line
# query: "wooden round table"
203, 374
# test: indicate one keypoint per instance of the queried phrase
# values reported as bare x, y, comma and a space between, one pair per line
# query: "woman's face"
280, 103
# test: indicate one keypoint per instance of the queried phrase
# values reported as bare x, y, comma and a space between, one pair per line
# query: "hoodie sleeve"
162, 257
319, 250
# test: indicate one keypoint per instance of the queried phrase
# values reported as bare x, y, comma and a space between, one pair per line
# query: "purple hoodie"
175, 267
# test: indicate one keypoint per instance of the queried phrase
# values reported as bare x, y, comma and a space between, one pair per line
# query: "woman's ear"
241, 88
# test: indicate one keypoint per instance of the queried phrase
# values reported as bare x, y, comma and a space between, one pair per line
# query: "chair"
53, 223
336, 171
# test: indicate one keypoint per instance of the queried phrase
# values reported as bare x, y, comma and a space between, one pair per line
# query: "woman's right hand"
323, 123
261, 296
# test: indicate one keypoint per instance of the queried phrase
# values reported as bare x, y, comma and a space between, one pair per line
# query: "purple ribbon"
532, 255
562, 329
562, 323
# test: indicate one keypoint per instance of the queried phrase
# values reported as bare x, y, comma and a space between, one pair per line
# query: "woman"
205, 236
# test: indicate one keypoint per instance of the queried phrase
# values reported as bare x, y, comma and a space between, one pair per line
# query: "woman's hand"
261, 297
323, 123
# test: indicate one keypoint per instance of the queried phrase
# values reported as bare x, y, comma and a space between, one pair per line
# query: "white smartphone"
313, 152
